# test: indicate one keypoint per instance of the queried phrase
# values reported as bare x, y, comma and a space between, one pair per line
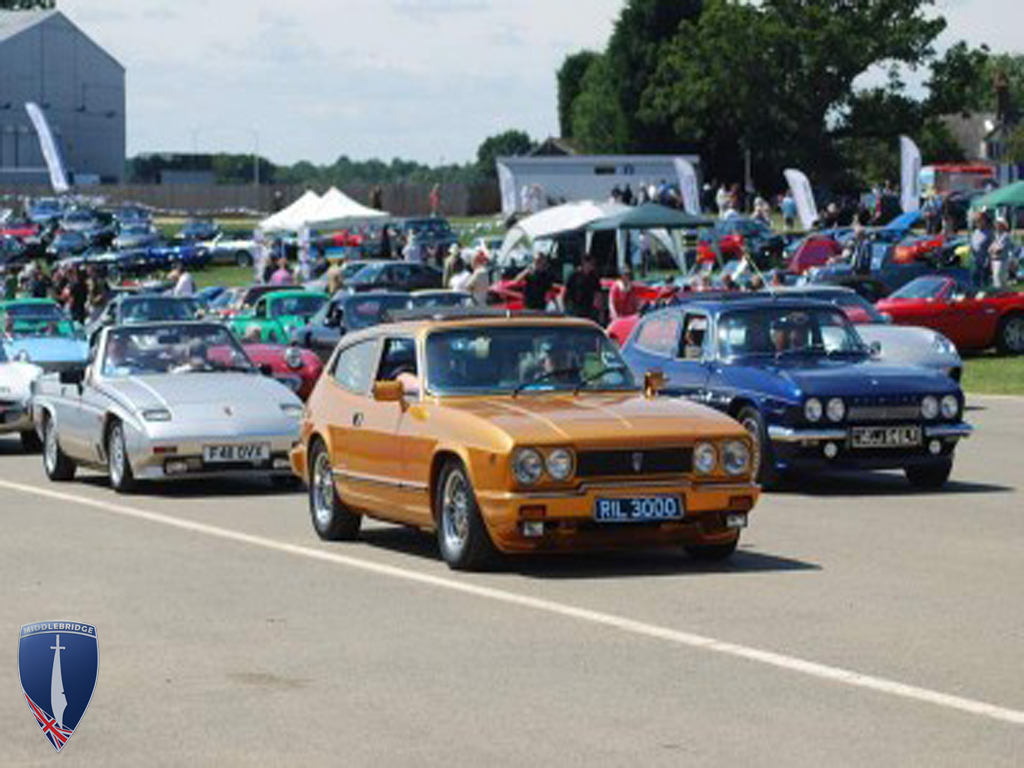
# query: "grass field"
992, 375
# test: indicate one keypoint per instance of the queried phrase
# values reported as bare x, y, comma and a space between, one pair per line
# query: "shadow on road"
877, 484
592, 565
205, 489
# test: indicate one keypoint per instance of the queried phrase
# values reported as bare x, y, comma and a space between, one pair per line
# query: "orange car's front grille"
637, 463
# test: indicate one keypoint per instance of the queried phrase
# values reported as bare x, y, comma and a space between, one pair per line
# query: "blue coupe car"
38, 331
798, 376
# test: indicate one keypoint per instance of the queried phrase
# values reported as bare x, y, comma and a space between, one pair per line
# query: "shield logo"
638, 461
58, 662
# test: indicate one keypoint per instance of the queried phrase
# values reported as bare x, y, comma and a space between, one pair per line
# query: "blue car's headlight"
950, 407
813, 409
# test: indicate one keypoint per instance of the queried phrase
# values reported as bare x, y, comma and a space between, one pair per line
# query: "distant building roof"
553, 146
15, 22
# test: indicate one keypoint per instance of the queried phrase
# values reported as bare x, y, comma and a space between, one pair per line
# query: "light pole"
256, 157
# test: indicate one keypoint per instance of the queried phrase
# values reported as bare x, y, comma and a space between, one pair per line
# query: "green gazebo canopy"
650, 216
1011, 194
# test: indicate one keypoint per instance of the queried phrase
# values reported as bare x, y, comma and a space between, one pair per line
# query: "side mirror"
388, 391
72, 376
654, 381
875, 348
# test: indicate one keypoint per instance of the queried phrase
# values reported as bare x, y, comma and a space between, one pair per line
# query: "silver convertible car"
163, 401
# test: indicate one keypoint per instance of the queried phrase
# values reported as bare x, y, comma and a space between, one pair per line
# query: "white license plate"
886, 437
638, 509
228, 454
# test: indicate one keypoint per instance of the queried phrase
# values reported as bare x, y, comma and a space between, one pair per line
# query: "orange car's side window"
355, 367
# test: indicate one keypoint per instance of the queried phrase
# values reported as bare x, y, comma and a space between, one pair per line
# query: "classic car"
162, 401
394, 276
136, 236
38, 331
131, 308
796, 374
733, 236
15, 395
346, 312
236, 248
439, 298
12, 251
518, 434
67, 244
951, 304
199, 230
276, 315
298, 369
431, 232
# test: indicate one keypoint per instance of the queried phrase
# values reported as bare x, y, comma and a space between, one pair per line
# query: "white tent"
292, 218
336, 208
554, 221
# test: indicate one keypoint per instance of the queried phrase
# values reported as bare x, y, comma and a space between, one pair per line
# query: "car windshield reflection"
779, 331
182, 350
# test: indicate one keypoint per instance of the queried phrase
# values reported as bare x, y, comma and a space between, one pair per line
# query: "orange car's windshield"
524, 359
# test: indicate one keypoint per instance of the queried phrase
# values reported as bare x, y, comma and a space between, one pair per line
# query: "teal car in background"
277, 314
40, 332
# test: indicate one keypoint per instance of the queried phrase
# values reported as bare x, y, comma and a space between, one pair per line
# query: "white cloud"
423, 79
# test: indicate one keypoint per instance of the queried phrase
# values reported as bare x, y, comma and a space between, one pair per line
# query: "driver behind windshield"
789, 333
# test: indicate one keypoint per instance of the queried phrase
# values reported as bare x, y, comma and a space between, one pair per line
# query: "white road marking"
643, 629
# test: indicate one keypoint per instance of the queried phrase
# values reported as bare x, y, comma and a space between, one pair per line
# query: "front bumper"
182, 459
569, 524
15, 418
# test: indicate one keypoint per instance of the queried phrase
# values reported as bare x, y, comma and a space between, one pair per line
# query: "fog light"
736, 520
176, 467
831, 450
533, 529
282, 464
935, 447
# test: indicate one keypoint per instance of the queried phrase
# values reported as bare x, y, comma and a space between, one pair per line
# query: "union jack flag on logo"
58, 662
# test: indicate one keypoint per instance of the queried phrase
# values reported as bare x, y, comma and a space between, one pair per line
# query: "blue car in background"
800, 379
38, 331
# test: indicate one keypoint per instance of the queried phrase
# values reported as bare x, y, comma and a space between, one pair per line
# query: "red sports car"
971, 319
814, 251
298, 369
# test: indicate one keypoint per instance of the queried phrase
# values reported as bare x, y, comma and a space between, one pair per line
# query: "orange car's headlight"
527, 466
561, 464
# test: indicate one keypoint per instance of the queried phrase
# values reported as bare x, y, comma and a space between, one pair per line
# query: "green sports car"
277, 314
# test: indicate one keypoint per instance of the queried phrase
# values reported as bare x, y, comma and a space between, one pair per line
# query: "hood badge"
638, 461
228, 411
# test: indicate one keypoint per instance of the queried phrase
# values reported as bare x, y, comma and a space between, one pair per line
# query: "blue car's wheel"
764, 457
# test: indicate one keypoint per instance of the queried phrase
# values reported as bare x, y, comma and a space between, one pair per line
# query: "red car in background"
917, 247
814, 251
950, 304
298, 369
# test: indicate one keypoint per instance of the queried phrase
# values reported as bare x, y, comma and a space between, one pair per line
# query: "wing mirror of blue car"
875, 349
654, 382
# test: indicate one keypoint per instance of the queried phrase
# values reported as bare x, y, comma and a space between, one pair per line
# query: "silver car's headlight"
527, 466
705, 457
929, 408
560, 464
836, 409
943, 346
292, 409
293, 358
156, 414
950, 407
736, 457
813, 409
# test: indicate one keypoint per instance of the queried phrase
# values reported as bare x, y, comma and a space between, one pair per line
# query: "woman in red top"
623, 298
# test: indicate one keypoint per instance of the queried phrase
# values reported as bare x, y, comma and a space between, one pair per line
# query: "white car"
15, 394
228, 248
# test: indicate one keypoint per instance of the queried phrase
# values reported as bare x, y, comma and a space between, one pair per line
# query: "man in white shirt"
184, 285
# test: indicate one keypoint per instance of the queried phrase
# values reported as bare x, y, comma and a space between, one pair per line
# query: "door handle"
357, 419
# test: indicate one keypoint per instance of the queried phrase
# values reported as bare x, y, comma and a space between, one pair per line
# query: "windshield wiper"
598, 375
813, 349
544, 377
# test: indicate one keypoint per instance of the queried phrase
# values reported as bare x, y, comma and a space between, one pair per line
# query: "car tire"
30, 442
712, 553
462, 535
332, 520
930, 476
764, 457
58, 467
1010, 337
243, 259
119, 468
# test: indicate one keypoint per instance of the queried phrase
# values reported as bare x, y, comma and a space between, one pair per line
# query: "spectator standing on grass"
789, 211
538, 280
1001, 253
77, 296
582, 290
435, 200
282, 275
981, 241
624, 297
454, 258
460, 277
184, 284
479, 283
413, 251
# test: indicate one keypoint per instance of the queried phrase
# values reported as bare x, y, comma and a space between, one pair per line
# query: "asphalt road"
860, 624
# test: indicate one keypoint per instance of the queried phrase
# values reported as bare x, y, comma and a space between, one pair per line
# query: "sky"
426, 80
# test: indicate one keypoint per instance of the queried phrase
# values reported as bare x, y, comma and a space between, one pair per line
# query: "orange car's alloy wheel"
455, 513
332, 520
462, 535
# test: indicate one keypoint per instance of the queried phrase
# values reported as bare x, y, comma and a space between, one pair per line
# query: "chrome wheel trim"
50, 447
455, 506
322, 491
754, 430
1013, 334
115, 456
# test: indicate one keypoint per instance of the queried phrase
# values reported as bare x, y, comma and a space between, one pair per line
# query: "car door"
689, 374
654, 344
70, 412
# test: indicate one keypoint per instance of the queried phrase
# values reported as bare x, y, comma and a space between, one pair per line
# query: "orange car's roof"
420, 327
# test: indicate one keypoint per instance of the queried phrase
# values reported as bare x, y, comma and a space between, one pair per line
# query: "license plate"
224, 454
641, 509
886, 437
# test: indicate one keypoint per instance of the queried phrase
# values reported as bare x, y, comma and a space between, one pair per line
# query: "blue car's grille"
884, 408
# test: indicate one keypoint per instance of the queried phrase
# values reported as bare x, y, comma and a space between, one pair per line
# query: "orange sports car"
517, 434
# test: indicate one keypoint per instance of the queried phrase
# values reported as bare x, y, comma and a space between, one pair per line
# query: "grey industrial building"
45, 58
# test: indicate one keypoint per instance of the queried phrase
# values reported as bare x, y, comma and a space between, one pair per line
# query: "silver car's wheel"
332, 520
121, 477
1011, 335
58, 467
462, 536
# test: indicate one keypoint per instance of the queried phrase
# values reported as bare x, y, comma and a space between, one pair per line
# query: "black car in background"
394, 276
67, 244
198, 230
431, 232
343, 314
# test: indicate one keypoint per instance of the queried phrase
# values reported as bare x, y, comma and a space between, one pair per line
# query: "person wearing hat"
981, 241
1001, 252
454, 258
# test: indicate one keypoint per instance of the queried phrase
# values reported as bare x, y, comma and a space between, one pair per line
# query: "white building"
46, 59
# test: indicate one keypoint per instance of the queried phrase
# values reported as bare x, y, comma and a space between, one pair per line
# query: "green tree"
507, 144
1014, 151
598, 122
960, 81
570, 83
